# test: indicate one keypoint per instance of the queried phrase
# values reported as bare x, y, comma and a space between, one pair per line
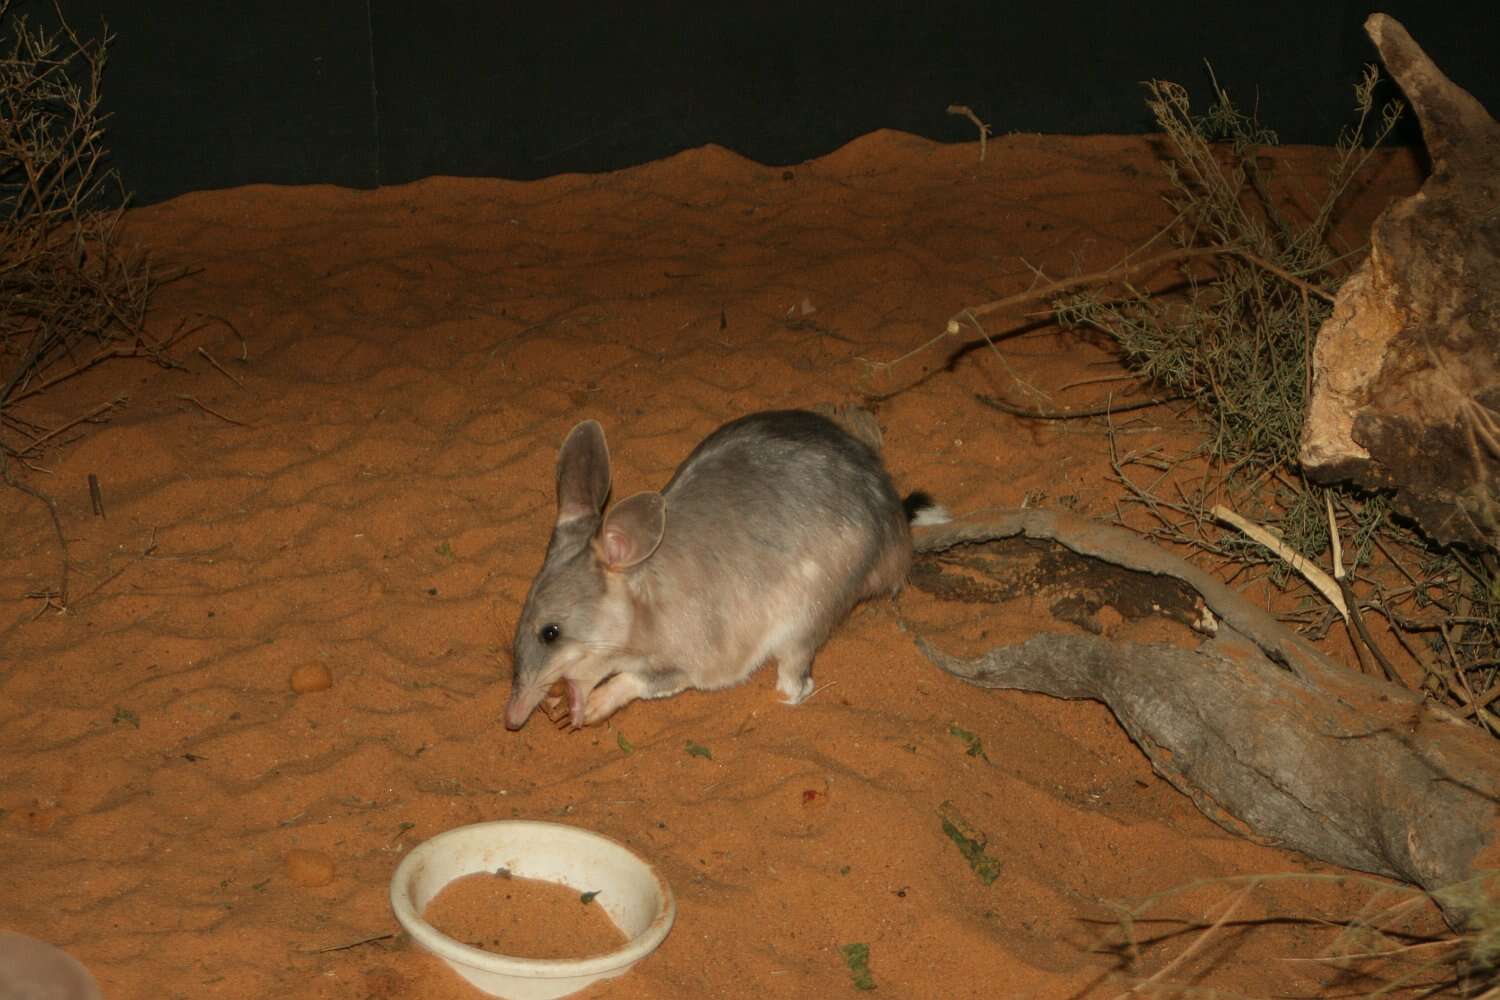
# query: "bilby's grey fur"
767, 535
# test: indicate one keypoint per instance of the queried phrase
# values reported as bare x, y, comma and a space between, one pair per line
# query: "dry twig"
984, 130
71, 295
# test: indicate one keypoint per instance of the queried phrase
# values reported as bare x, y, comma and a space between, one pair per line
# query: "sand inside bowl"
523, 917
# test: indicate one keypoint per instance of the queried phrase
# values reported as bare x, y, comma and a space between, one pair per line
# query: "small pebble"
311, 677
309, 868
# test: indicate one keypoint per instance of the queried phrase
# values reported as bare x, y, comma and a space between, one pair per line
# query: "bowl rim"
77, 974
456, 952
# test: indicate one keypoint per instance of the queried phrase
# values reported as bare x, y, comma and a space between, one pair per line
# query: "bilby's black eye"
549, 633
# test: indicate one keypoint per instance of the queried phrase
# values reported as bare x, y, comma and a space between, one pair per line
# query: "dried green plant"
1235, 337
1391, 946
65, 282
71, 294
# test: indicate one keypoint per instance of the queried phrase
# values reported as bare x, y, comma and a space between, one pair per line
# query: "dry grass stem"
211, 411
1300, 564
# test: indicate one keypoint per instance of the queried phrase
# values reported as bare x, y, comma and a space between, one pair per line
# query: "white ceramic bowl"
637, 899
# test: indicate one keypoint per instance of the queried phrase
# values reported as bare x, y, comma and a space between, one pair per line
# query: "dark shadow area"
370, 92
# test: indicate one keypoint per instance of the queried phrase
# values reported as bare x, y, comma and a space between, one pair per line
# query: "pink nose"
516, 714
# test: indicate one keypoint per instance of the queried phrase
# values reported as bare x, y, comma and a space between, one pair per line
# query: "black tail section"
916, 502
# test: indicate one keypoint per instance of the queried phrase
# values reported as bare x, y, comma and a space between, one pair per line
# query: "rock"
309, 868
1406, 372
311, 677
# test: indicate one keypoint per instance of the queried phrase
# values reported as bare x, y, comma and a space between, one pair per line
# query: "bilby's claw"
555, 705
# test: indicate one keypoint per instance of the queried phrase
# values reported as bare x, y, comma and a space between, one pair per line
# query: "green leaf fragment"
625, 745
857, 958
975, 748
587, 897
699, 750
971, 843
986, 867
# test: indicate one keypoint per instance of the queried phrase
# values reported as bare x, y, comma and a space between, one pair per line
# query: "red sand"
410, 360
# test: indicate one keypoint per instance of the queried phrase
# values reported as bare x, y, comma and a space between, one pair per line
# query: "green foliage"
974, 746
971, 844
857, 958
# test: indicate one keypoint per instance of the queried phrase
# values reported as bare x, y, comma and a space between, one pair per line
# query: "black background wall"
216, 93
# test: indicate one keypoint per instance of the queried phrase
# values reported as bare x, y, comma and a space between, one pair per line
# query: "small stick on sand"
59, 597
1108, 276
1341, 577
221, 369
984, 130
1103, 410
96, 412
209, 409
1309, 572
351, 944
1198, 944
244, 344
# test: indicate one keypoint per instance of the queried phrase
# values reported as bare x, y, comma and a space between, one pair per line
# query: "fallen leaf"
857, 958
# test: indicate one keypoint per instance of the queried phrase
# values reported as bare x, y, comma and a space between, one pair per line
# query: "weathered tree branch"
1270, 739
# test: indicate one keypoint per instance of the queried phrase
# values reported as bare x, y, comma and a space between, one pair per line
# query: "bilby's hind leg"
889, 572
794, 673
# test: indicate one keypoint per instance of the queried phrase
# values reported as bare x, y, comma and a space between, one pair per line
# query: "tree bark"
1270, 739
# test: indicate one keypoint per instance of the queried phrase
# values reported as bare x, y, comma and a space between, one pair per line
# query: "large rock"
1406, 372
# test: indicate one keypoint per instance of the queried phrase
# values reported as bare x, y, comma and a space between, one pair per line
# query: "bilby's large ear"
582, 473
632, 530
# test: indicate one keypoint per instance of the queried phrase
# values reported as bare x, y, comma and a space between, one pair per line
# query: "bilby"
765, 538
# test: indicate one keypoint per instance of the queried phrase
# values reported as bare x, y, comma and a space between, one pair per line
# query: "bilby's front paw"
609, 697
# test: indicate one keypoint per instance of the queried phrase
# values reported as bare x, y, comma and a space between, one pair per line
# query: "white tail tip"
928, 516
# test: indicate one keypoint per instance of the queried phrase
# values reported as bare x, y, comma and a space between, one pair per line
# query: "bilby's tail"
922, 510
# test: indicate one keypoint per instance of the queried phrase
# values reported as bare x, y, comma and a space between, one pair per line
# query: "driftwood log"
1406, 371
1270, 739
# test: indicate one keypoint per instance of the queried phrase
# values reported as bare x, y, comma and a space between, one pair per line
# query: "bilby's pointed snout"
523, 702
